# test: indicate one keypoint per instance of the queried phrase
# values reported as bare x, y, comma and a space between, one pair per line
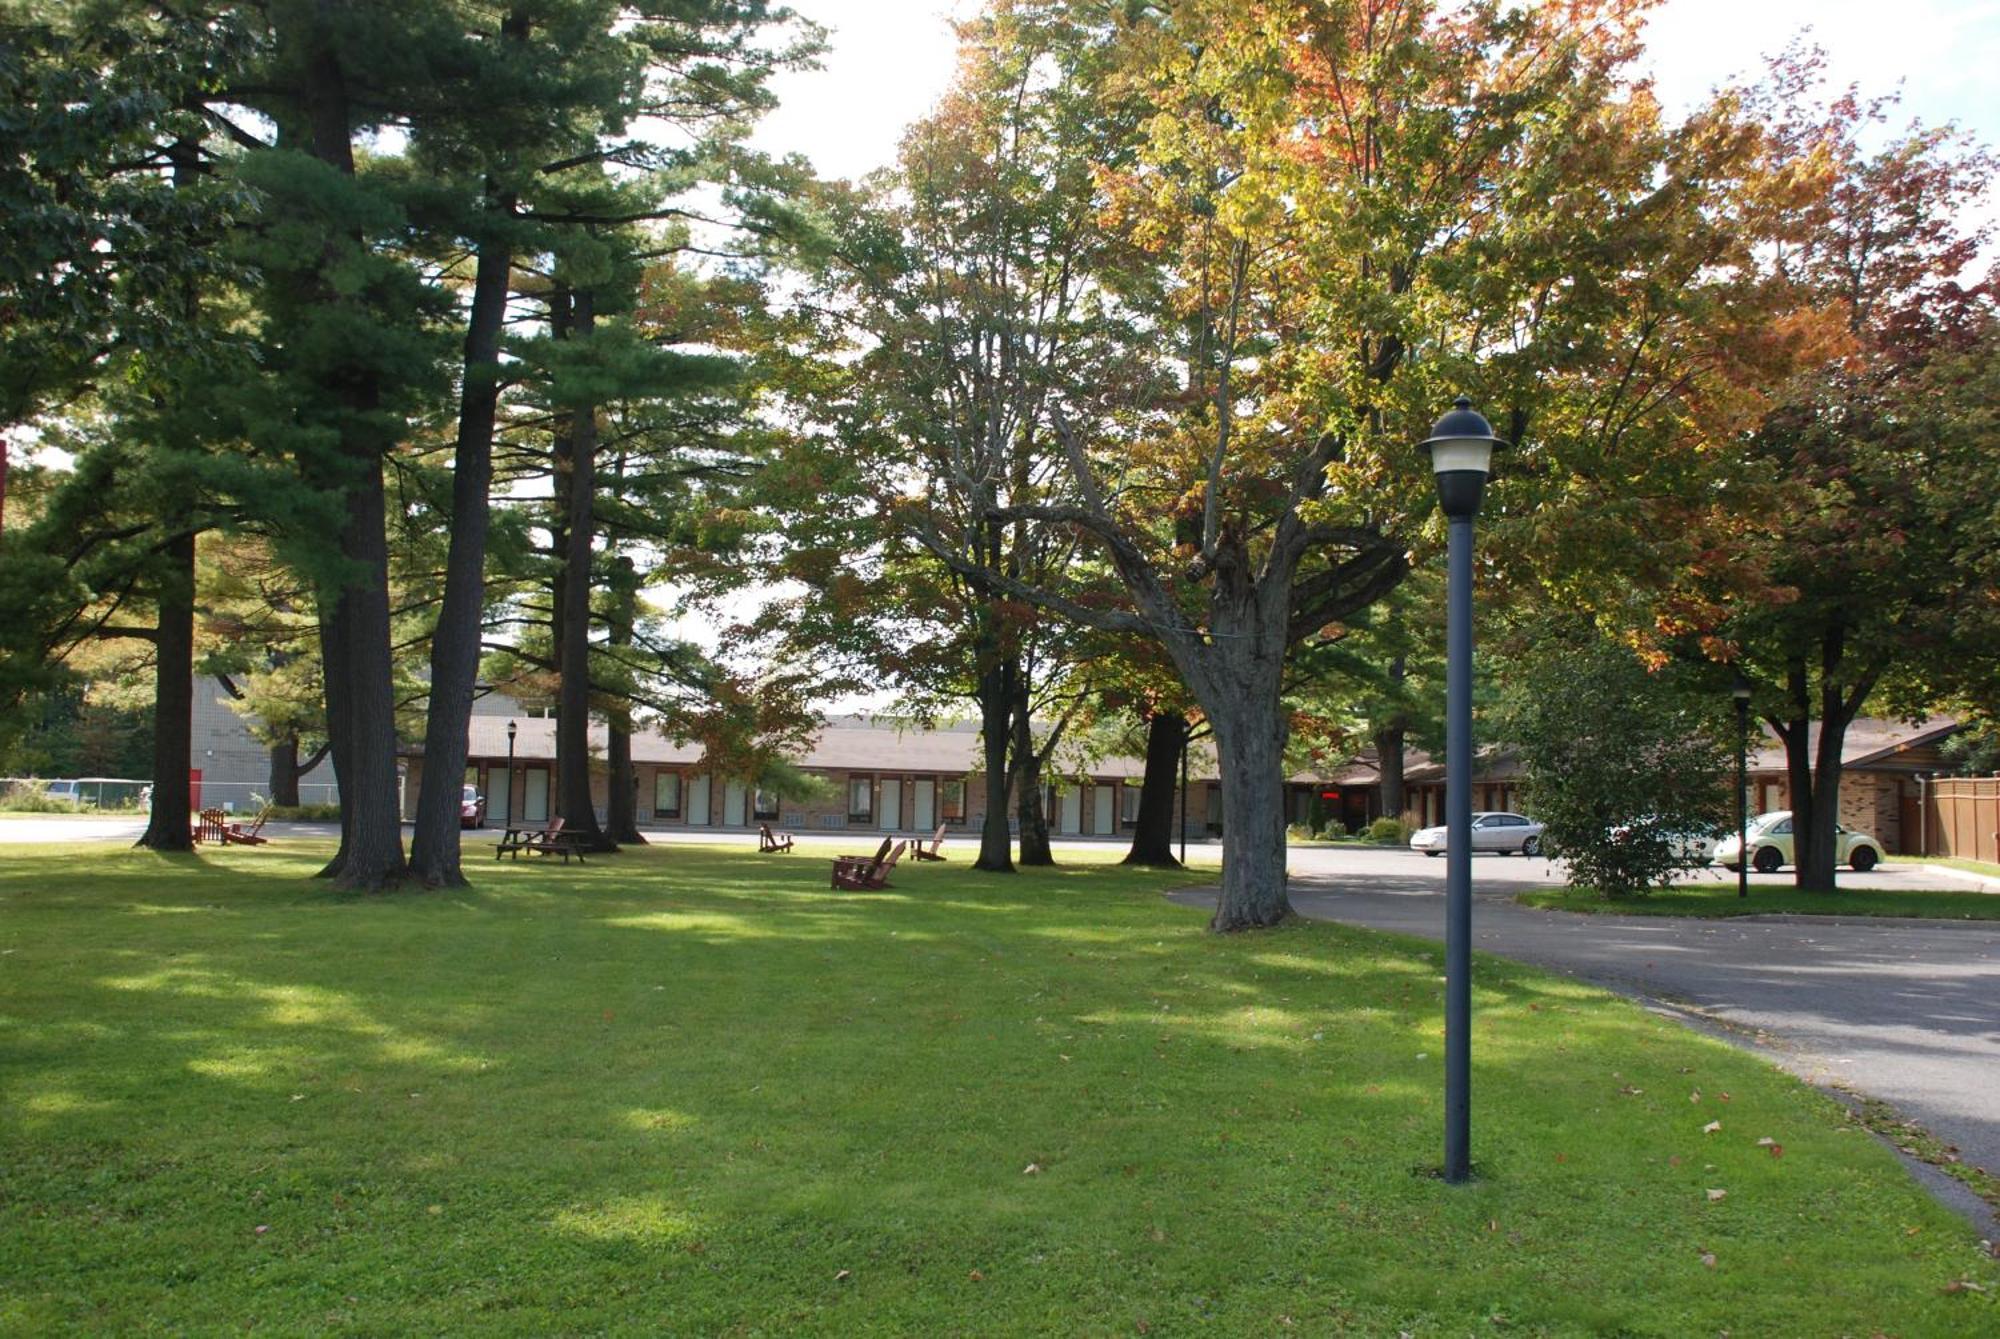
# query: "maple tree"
1841, 549
1331, 220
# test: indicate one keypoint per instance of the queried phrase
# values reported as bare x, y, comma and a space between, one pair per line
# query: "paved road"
1906, 1011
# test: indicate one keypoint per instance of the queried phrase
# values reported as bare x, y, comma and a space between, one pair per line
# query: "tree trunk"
1153, 836
173, 701
1027, 775
1389, 757
285, 771
621, 808
996, 847
578, 809
1250, 746
434, 847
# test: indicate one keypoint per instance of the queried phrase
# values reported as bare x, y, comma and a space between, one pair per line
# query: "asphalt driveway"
1901, 1010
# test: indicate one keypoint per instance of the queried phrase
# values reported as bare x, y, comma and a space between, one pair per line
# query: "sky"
890, 59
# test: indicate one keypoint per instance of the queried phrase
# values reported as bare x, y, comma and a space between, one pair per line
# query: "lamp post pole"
1741, 692
511, 728
1461, 450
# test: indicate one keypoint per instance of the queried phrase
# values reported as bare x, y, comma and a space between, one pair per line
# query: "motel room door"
1103, 813
923, 801
697, 801
1072, 811
890, 811
734, 796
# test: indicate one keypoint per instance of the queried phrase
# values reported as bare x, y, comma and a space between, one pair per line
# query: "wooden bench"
551, 840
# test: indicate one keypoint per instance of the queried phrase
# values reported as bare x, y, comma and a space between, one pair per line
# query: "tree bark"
1389, 748
1153, 835
173, 701
621, 808
1250, 747
996, 847
1027, 774
435, 846
285, 772
579, 811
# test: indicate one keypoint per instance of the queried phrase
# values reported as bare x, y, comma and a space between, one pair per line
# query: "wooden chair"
864, 873
242, 836
770, 843
551, 840
212, 827
936, 851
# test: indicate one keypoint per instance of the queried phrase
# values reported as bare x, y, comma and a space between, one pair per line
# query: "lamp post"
1741, 692
1461, 451
511, 728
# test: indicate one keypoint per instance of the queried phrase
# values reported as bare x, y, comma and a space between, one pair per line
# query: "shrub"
307, 813
1386, 831
1333, 831
1620, 761
1300, 832
32, 797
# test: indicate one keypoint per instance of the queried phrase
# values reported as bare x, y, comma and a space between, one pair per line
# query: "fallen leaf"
843, 1276
1722, 1097
1777, 1150
1695, 1096
1674, 1161
1711, 1127
1708, 1258
976, 1276
434, 1209
1766, 1142
1964, 1286
262, 1228
1032, 1169
1715, 1195
1142, 1327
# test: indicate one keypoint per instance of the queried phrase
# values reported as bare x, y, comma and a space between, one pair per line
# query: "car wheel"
1863, 859
1432, 854
1532, 846
1767, 860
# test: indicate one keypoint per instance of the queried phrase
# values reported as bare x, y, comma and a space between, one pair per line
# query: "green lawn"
692, 1091
1720, 899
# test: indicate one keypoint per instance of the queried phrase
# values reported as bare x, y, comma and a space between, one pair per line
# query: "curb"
1980, 881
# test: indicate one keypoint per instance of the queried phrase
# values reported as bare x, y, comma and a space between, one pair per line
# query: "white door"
535, 795
697, 801
1104, 818
890, 814
1072, 812
733, 796
923, 797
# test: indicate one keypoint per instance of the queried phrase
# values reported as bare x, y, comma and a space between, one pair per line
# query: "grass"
1985, 867
1721, 900
691, 1091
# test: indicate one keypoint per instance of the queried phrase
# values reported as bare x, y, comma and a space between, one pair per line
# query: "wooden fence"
1962, 818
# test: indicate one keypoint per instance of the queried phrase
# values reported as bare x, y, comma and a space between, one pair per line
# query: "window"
666, 794
861, 799
952, 801
764, 804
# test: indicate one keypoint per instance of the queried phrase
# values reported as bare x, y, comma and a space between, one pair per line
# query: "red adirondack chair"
864, 873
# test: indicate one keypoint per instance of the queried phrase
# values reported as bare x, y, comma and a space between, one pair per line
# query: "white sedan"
1490, 832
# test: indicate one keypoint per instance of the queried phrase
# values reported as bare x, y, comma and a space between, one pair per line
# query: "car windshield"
471, 794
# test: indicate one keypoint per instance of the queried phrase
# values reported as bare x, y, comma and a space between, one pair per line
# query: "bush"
1620, 761
307, 813
1387, 831
1300, 832
32, 797
1334, 831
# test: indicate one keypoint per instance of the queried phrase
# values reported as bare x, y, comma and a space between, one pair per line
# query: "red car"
472, 809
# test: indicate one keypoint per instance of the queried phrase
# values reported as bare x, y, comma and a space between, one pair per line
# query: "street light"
511, 728
1741, 692
1461, 451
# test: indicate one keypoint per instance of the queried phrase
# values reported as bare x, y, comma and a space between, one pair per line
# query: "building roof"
1869, 744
